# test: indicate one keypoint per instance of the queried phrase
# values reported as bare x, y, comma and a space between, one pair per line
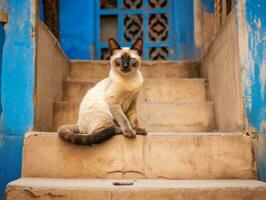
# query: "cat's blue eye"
132, 60
118, 60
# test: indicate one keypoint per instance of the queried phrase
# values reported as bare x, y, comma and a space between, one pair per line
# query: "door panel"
127, 20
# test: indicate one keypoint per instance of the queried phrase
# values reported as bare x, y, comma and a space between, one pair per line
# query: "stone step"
172, 116
160, 90
150, 69
155, 156
82, 189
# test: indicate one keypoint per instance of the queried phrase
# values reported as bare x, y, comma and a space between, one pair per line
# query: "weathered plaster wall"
17, 87
51, 70
253, 60
204, 25
222, 69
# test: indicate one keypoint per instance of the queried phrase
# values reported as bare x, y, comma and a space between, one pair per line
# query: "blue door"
126, 20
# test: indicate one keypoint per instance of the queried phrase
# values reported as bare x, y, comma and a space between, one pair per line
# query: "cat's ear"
138, 45
113, 45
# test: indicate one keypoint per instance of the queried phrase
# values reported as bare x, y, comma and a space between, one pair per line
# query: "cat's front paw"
141, 131
129, 133
118, 130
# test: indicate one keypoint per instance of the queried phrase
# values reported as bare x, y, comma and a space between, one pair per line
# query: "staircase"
182, 157
172, 92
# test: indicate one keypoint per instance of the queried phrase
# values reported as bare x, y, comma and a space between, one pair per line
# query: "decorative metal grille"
133, 4
158, 3
148, 19
133, 27
158, 27
158, 53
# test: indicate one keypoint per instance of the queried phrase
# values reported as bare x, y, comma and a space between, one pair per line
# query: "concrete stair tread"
158, 155
161, 89
78, 189
155, 116
146, 62
140, 183
94, 80
161, 103
100, 69
160, 133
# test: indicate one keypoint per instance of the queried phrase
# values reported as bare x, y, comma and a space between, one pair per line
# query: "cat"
109, 108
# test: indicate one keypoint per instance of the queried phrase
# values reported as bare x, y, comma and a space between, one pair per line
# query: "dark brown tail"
70, 133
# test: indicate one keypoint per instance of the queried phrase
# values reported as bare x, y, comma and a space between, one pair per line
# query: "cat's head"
125, 60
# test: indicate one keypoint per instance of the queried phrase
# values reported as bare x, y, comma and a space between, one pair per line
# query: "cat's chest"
127, 99
122, 95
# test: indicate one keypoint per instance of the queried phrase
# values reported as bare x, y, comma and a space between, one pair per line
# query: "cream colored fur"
112, 102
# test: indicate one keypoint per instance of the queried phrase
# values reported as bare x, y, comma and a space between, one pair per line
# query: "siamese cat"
109, 108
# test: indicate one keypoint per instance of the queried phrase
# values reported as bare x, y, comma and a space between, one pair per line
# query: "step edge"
161, 103
159, 133
140, 183
91, 80
144, 61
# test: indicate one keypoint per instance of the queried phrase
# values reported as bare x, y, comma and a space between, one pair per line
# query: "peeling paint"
252, 34
17, 85
204, 25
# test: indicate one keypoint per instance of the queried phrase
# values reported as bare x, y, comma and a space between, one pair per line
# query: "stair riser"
154, 156
74, 91
177, 117
198, 117
100, 70
154, 90
137, 193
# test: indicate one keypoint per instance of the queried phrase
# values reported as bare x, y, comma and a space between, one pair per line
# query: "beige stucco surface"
221, 66
78, 189
204, 26
158, 155
52, 67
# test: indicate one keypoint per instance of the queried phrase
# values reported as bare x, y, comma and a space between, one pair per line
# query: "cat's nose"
126, 66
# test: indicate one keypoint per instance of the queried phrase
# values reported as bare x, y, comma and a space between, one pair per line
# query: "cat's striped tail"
70, 133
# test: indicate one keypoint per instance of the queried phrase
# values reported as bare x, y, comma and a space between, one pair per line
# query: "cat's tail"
70, 133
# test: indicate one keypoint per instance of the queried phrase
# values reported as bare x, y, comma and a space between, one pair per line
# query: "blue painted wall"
255, 77
208, 5
2, 40
17, 88
77, 28
184, 29
41, 10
